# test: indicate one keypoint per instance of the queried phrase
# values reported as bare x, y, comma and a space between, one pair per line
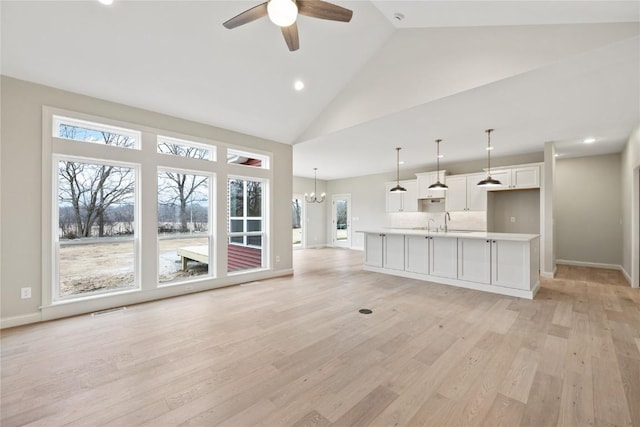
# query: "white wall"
588, 210
630, 207
21, 196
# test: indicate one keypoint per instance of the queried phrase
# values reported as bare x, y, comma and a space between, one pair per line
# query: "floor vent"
108, 311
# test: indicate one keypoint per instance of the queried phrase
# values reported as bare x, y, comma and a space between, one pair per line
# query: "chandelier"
312, 198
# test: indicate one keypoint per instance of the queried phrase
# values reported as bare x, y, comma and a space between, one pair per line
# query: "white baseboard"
549, 275
626, 275
25, 319
91, 304
316, 246
589, 264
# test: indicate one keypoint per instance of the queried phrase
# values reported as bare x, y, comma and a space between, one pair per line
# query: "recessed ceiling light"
489, 148
106, 2
298, 85
398, 16
440, 156
401, 162
589, 140
556, 155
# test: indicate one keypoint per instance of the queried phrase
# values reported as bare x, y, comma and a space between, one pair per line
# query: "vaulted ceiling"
536, 71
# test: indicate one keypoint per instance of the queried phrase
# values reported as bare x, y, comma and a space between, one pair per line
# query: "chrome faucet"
432, 220
446, 215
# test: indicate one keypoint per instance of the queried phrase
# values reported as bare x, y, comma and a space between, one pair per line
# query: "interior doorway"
298, 222
341, 220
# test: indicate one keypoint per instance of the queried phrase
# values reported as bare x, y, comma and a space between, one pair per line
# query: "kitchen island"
503, 263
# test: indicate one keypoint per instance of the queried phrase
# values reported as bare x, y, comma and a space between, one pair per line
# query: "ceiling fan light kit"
284, 13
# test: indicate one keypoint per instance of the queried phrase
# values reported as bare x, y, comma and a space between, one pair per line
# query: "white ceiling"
535, 71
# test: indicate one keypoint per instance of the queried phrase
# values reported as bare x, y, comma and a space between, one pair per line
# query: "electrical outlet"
25, 293
277, 258
513, 219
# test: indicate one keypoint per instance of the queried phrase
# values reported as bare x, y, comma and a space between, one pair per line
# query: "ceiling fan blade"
323, 10
247, 16
290, 34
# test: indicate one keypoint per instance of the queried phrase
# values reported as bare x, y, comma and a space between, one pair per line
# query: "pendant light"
438, 185
398, 187
488, 181
312, 198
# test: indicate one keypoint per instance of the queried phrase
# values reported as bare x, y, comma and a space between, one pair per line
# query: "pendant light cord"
489, 151
438, 159
315, 181
398, 165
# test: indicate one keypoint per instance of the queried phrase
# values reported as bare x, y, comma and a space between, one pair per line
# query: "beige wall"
588, 210
21, 180
521, 205
630, 188
316, 213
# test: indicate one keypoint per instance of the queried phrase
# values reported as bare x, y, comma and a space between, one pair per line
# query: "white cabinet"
508, 267
384, 250
443, 256
402, 201
431, 255
509, 260
474, 260
416, 254
464, 194
504, 263
425, 180
517, 177
393, 251
373, 247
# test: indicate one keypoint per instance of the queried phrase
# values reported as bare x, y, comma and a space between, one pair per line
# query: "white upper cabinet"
425, 180
517, 177
402, 201
464, 194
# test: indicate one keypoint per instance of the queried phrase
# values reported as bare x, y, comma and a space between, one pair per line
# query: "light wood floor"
295, 351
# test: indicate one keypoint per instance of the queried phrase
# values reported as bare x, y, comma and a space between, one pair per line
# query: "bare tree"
184, 189
296, 211
91, 189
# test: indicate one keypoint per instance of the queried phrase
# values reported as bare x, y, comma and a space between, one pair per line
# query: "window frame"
264, 233
58, 119
147, 161
55, 238
211, 221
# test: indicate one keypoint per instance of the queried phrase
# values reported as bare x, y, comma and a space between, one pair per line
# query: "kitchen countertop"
461, 234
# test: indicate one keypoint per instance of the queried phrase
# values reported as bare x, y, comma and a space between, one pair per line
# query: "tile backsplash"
476, 221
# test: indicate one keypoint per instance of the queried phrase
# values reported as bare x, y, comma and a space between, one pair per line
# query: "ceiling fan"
284, 13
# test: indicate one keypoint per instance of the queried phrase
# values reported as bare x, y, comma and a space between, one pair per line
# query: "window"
80, 130
184, 239
182, 148
246, 231
247, 159
297, 204
96, 251
103, 189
